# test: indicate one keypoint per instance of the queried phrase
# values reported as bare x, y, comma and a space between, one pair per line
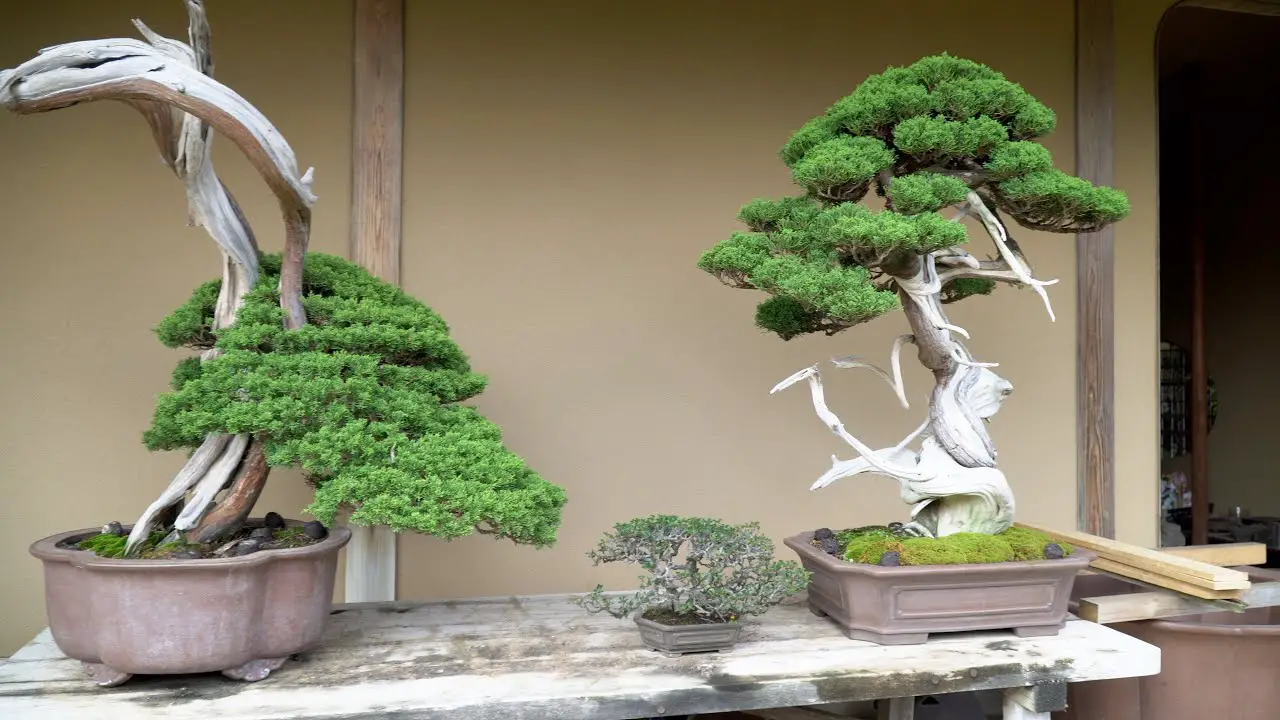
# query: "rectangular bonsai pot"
904, 605
676, 640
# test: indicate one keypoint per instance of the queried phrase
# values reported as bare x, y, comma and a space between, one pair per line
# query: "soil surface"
249, 539
668, 617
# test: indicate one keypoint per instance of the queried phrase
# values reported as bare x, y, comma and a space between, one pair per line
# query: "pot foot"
816, 610
887, 639
255, 670
104, 676
1038, 630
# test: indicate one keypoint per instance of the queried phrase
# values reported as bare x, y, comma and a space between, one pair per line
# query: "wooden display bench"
542, 658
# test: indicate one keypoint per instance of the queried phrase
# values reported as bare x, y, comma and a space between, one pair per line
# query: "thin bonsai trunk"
170, 83
952, 483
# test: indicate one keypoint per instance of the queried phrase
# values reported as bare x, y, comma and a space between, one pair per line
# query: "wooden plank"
1147, 559
1223, 554
1178, 583
1095, 271
543, 658
1155, 605
376, 204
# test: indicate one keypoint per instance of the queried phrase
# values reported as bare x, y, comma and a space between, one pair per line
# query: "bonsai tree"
700, 570
942, 133
303, 360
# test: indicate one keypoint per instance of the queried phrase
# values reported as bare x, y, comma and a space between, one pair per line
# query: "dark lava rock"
315, 530
273, 520
113, 528
1054, 551
891, 559
831, 546
252, 545
263, 533
187, 555
823, 534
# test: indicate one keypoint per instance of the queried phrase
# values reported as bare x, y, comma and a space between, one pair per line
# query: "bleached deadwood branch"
952, 482
170, 83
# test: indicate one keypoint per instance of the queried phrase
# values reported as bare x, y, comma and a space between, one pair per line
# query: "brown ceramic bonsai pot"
241, 616
677, 640
904, 605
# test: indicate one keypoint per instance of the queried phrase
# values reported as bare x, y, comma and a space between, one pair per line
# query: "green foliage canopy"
923, 136
365, 399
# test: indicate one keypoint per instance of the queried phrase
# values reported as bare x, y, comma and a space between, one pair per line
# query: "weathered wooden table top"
536, 658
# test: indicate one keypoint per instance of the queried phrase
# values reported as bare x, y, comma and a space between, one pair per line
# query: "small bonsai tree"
304, 360
944, 132
700, 570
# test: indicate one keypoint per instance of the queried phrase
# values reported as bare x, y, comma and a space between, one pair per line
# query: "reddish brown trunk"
297, 232
230, 514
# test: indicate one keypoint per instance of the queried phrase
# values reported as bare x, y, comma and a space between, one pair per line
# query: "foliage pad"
923, 136
364, 399
699, 569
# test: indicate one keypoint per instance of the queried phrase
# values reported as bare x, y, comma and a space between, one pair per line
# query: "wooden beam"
1095, 274
376, 178
1224, 554
793, 713
1131, 607
1199, 405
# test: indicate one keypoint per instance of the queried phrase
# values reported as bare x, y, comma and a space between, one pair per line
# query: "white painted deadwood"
951, 482
543, 658
170, 83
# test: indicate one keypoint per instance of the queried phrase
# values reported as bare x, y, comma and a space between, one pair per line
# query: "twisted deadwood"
170, 83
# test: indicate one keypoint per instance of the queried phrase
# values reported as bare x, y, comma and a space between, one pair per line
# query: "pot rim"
1080, 558
47, 550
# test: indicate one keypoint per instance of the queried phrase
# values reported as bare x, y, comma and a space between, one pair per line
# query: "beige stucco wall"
564, 169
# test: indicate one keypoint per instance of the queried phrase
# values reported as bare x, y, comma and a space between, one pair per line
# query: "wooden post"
1095, 269
1199, 405
376, 179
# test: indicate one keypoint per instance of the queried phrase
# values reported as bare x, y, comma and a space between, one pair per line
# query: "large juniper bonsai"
305, 360
944, 132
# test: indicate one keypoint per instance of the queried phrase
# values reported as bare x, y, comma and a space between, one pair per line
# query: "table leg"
1035, 702
899, 708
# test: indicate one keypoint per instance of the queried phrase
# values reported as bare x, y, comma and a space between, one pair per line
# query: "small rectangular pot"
677, 640
904, 605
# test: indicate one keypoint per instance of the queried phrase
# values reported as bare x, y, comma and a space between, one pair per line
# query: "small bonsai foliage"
364, 398
887, 545
700, 570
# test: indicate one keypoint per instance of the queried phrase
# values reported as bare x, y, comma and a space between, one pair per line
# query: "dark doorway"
1219, 109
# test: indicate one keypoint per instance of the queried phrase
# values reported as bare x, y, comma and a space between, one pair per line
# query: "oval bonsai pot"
904, 605
677, 640
241, 616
